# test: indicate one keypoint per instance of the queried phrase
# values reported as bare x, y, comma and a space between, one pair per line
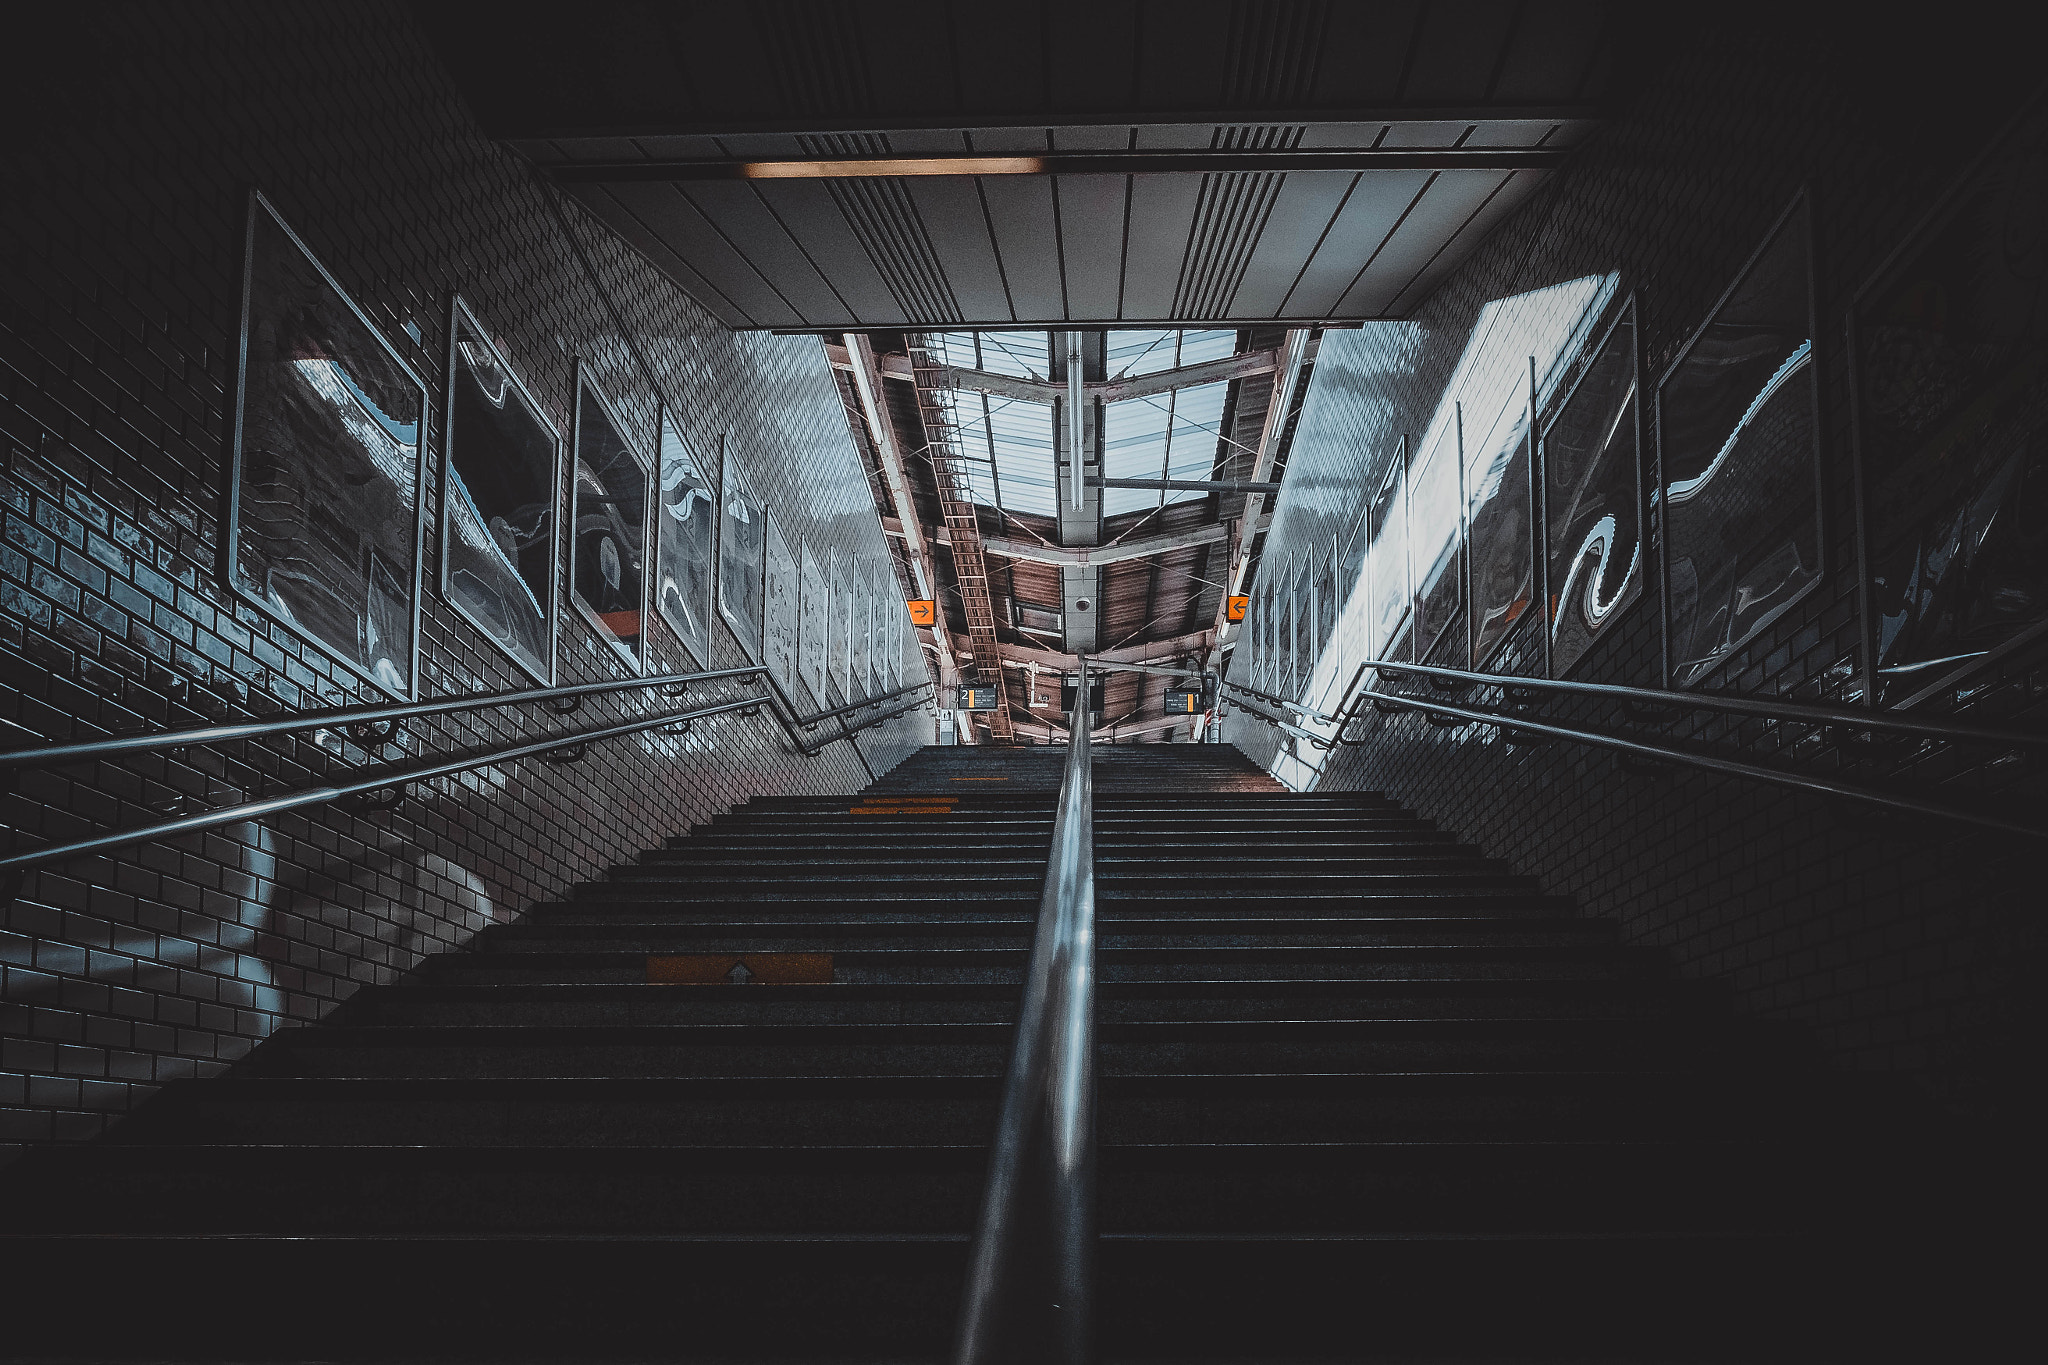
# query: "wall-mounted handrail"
1030, 1284
1769, 708
380, 780
378, 713
1514, 725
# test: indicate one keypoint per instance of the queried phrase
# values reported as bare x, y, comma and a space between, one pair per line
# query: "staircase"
1365, 1094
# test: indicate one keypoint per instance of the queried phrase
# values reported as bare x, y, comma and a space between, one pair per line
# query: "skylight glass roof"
1008, 442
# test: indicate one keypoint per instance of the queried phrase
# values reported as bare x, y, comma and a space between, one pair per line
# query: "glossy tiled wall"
1902, 944
122, 232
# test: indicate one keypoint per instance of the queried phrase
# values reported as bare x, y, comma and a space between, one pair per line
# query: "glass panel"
502, 478
1952, 381
613, 489
858, 636
1141, 351
742, 546
780, 592
1502, 523
687, 535
1386, 562
327, 471
1433, 511
1592, 495
1736, 425
815, 612
838, 617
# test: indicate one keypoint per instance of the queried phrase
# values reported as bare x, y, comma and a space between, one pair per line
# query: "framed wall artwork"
742, 547
813, 613
1436, 524
1739, 459
326, 464
611, 505
1949, 360
1500, 512
1386, 557
686, 538
1592, 488
838, 617
780, 594
501, 481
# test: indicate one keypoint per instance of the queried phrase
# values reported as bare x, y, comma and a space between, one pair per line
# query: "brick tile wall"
1906, 946
119, 304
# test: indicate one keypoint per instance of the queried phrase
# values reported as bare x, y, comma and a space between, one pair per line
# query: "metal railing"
376, 724
1030, 1284
1648, 705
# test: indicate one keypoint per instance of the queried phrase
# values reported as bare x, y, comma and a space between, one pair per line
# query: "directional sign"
1236, 608
924, 612
976, 699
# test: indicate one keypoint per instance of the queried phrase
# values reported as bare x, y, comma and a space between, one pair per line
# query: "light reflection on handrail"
362, 786
1030, 1283
1762, 707
1513, 725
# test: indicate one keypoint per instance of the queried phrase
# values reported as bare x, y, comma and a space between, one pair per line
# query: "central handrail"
1030, 1284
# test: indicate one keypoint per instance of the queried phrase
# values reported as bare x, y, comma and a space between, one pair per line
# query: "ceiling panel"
1301, 215
1162, 215
950, 214
1091, 209
1444, 208
1360, 228
806, 209
1020, 210
739, 216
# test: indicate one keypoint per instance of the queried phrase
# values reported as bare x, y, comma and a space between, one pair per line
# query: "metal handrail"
389, 778
377, 713
382, 780
1515, 725
1768, 708
1030, 1284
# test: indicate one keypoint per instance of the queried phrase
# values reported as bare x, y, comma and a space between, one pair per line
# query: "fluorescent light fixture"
886, 166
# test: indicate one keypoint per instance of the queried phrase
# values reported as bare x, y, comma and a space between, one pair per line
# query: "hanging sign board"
976, 699
924, 612
1184, 701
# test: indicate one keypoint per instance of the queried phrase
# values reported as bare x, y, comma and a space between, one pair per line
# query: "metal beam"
963, 534
1294, 354
1187, 376
1151, 652
1575, 117
1117, 390
1136, 161
1073, 556
867, 385
1187, 485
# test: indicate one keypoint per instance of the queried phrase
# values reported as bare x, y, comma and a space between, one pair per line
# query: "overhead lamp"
893, 165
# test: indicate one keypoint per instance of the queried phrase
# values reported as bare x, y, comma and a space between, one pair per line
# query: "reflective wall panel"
1739, 457
742, 548
686, 537
1951, 362
1499, 512
838, 617
324, 483
613, 495
501, 478
1592, 497
1386, 561
1436, 529
814, 611
780, 592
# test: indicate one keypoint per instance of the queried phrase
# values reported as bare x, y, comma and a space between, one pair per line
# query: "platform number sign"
976, 699
1184, 701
